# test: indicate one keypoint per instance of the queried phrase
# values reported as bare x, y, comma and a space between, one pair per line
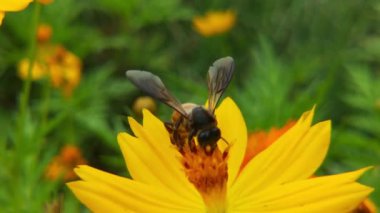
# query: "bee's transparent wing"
219, 76
153, 86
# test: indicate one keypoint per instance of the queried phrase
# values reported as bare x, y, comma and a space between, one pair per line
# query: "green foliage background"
290, 55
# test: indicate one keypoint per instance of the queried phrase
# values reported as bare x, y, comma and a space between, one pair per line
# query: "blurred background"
289, 55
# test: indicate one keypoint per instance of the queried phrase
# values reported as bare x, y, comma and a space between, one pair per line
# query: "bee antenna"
225, 141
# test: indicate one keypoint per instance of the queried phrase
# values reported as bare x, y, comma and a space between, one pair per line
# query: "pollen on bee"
208, 148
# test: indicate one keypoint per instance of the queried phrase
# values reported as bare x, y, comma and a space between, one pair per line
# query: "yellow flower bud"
144, 102
44, 32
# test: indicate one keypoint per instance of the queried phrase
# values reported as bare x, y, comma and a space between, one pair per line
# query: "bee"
190, 120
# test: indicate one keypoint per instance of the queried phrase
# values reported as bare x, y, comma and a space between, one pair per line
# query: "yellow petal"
104, 192
306, 157
152, 147
140, 160
233, 129
92, 200
296, 155
136, 164
14, 5
335, 193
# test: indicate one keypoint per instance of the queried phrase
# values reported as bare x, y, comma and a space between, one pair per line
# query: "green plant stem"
24, 155
44, 115
24, 99
46, 103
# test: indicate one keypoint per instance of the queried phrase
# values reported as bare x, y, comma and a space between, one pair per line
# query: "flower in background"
62, 165
39, 70
61, 66
144, 102
165, 179
214, 22
65, 70
258, 141
12, 6
44, 33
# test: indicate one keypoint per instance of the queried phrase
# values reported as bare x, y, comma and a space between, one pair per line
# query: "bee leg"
178, 142
175, 137
178, 122
168, 126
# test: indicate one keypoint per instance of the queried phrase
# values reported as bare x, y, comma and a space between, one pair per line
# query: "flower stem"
22, 194
24, 99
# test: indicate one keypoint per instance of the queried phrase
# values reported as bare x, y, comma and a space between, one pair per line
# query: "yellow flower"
214, 22
144, 102
12, 6
276, 180
60, 65
38, 71
63, 164
65, 70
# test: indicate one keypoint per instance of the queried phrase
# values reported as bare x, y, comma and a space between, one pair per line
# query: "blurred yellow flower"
62, 165
276, 180
38, 71
12, 6
54, 62
144, 102
214, 22
65, 70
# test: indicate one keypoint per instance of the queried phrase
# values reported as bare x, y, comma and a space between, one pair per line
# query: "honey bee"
190, 120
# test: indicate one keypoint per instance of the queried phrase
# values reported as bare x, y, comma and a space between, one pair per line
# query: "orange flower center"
208, 173
205, 166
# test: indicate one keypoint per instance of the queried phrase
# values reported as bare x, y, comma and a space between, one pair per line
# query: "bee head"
209, 137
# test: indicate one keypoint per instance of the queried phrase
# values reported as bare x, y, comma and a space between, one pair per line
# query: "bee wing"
219, 76
153, 86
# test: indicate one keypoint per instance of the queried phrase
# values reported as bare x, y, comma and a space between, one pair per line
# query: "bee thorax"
200, 118
188, 107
